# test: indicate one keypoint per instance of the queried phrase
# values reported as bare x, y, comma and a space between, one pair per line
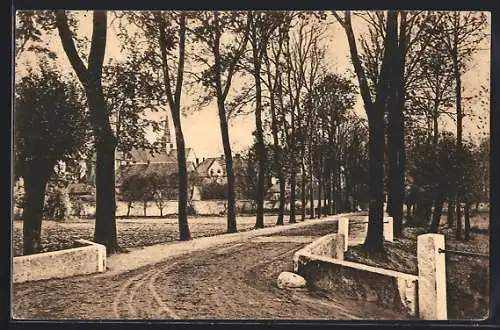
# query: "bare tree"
375, 112
272, 57
218, 77
174, 102
261, 27
105, 141
459, 35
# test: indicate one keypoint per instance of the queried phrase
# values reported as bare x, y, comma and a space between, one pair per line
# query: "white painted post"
338, 246
431, 277
102, 258
343, 229
388, 229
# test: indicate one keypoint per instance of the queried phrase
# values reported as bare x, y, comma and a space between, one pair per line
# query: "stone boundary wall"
205, 207
89, 258
321, 264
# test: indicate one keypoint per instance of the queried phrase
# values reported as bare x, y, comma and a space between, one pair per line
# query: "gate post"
388, 229
343, 229
431, 277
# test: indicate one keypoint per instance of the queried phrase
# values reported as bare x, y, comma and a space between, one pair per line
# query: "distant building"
213, 169
166, 155
142, 161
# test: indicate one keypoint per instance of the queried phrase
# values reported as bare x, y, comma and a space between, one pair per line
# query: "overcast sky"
201, 128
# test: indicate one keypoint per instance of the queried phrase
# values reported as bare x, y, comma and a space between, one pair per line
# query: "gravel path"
233, 280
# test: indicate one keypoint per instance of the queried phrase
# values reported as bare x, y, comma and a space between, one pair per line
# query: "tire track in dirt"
231, 281
239, 282
125, 291
151, 286
138, 297
232, 288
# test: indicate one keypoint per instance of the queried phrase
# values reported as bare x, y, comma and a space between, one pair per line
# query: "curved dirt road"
234, 281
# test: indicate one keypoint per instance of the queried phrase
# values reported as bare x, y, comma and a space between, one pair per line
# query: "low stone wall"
330, 246
206, 207
89, 258
321, 264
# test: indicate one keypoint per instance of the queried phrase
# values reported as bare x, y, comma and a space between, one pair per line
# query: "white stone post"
431, 277
388, 229
338, 246
102, 258
343, 229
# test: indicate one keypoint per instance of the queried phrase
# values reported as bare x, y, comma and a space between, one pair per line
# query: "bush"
18, 200
78, 207
214, 190
415, 221
57, 204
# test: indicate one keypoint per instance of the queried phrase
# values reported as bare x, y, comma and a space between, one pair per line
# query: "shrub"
78, 207
415, 221
214, 190
57, 204
18, 200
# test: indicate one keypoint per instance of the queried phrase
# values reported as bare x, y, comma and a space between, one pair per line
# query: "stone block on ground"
290, 280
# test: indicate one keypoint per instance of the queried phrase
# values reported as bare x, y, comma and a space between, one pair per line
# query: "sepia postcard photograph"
250, 165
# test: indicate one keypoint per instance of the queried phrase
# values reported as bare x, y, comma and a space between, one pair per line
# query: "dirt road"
233, 281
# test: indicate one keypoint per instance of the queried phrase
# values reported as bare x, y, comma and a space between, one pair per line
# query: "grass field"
132, 232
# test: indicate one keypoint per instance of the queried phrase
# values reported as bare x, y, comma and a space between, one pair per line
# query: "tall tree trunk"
396, 127
282, 197
458, 102
260, 146
348, 195
320, 192
374, 237
277, 160
231, 200
337, 184
293, 180
311, 184
451, 213
35, 182
184, 233
375, 113
221, 96
325, 197
458, 96
435, 121
459, 220
105, 214
303, 197
273, 85
293, 162
376, 143
105, 142
438, 209
332, 194
467, 221
144, 207
174, 101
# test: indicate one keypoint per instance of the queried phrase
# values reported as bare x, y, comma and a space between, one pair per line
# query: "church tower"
166, 140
